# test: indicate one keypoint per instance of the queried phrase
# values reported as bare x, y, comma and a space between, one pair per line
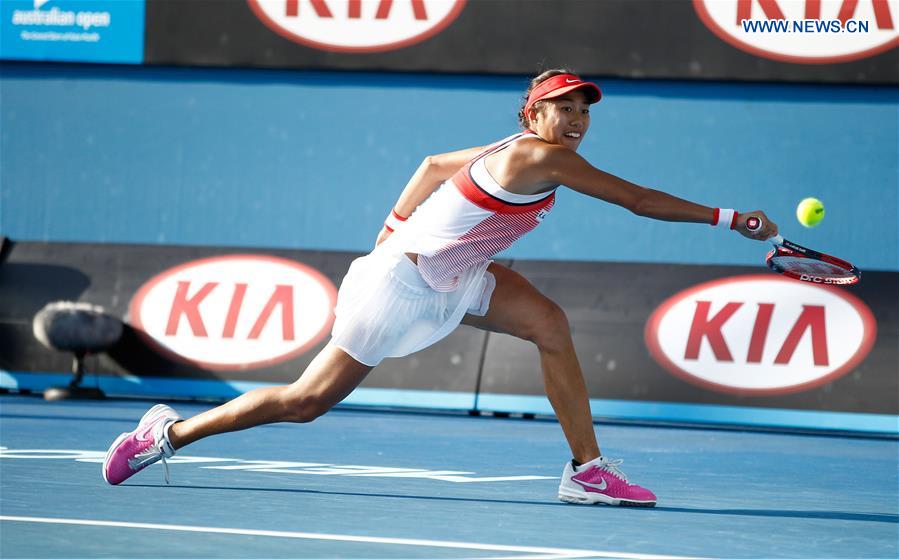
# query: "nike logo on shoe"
144, 435
601, 487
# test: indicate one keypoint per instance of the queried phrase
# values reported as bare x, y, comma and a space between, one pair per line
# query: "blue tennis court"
380, 484
202, 198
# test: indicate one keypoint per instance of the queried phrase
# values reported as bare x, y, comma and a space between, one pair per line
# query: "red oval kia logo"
235, 312
760, 334
804, 31
357, 25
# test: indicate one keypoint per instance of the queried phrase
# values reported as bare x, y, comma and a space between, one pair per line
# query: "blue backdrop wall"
315, 160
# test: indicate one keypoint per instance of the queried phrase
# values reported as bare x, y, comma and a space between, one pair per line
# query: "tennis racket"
804, 264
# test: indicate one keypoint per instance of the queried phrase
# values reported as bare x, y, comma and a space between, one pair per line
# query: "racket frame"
783, 247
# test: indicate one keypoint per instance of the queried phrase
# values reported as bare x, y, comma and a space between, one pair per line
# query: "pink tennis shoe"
599, 481
148, 444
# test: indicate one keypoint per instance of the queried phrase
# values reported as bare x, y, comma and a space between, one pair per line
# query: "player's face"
564, 120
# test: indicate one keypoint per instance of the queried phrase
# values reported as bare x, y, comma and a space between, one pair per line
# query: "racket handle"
755, 223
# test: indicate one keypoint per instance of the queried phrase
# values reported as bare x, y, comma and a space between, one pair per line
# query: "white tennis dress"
389, 307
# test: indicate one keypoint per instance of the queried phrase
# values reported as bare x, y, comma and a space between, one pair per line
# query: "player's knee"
305, 408
549, 326
310, 412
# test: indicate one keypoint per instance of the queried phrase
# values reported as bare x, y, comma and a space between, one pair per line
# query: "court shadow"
763, 513
811, 514
354, 494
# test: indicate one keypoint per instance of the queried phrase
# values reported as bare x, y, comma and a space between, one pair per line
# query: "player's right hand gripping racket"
805, 264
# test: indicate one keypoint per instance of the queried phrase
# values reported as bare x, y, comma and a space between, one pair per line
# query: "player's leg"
330, 378
519, 309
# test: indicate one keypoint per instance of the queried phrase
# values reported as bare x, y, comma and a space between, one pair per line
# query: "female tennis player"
431, 271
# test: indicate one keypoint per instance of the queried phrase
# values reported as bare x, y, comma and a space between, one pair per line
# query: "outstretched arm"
564, 166
434, 169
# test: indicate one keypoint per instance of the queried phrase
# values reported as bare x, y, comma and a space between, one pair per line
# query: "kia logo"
804, 31
760, 334
235, 312
357, 25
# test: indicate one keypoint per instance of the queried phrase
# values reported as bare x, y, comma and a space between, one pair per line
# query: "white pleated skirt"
385, 308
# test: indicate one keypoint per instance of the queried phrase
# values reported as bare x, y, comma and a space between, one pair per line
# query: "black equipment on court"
80, 328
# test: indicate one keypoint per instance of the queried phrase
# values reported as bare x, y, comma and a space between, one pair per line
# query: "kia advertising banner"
848, 41
647, 334
742, 335
285, 307
72, 30
723, 335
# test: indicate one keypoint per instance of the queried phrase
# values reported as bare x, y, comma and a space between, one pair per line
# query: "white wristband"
393, 221
725, 218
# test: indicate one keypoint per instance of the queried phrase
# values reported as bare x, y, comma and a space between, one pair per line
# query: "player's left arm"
564, 166
434, 169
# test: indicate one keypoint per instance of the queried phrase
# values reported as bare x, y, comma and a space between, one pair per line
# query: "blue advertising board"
72, 30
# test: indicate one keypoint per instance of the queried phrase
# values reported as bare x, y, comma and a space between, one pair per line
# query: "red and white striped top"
469, 219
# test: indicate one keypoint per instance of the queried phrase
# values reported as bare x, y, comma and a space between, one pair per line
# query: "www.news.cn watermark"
804, 26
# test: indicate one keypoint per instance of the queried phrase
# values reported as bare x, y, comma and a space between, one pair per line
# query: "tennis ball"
810, 212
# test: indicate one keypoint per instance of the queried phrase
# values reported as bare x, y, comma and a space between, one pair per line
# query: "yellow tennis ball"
810, 212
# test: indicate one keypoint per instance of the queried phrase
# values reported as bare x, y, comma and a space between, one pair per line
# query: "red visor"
557, 86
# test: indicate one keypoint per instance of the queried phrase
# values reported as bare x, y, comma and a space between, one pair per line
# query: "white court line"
544, 552
563, 556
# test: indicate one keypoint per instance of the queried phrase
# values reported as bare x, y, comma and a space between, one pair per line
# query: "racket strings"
802, 265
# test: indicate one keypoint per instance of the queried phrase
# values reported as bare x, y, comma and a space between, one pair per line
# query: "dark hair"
523, 118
